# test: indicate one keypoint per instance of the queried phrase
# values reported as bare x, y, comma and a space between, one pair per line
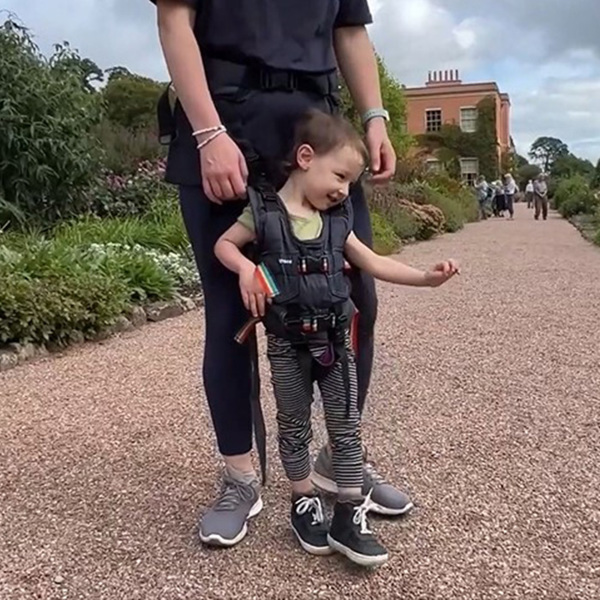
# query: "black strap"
228, 76
258, 420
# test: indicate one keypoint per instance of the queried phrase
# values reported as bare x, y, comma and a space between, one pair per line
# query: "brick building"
446, 99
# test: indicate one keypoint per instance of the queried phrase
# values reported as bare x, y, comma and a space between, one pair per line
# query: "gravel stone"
484, 405
159, 311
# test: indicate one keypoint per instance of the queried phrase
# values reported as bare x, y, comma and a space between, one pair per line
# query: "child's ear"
304, 156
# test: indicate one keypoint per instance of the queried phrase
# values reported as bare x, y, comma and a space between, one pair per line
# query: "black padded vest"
314, 292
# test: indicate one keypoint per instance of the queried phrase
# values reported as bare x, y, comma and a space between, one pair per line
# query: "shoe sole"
360, 559
315, 550
214, 539
329, 486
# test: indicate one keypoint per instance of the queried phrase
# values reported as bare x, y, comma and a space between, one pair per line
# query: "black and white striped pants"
294, 395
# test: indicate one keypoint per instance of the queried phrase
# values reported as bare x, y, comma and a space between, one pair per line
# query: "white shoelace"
372, 472
314, 505
361, 512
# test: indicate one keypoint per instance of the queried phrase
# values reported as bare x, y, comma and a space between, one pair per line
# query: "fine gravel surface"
485, 406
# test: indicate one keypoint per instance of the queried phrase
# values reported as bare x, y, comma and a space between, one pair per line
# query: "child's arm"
228, 251
388, 269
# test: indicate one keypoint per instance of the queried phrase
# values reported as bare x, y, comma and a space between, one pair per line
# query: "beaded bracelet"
209, 130
210, 138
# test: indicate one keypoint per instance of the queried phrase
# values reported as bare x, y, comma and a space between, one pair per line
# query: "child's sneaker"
350, 534
309, 525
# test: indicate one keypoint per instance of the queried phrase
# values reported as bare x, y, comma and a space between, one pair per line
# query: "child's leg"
349, 532
342, 418
293, 395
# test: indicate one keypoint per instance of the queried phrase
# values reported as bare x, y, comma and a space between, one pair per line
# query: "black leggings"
227, 368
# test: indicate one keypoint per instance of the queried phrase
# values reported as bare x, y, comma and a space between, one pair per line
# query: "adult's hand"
224, 170
383, 156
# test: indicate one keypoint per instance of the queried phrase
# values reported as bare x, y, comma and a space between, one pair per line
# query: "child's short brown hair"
325, 132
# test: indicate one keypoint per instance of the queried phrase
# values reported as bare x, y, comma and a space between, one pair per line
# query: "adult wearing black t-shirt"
253, 67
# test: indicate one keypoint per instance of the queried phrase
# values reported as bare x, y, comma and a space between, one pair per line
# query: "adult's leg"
544, 207
364, 296
226, 370
537, 200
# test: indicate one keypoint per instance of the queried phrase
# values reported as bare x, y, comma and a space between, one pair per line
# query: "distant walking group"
499, 196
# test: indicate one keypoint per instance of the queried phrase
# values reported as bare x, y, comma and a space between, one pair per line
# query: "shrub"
47, 154
127, 195
423, 193
125, 149
48, 293
574, 196
165, 233
385, 240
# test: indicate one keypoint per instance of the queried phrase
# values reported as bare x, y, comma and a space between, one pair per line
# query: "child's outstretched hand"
441, 272
253, 295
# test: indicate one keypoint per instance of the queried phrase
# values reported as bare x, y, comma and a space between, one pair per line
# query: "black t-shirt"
284, 34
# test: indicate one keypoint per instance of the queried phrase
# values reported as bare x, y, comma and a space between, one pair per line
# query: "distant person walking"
529, 193
510, 189
482, 189
540, 197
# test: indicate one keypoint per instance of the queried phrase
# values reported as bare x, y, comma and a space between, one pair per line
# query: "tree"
65, 60
520, 161
48, 155
525, 173
545, 150
569, 165
596, 177
131, 99
393, 100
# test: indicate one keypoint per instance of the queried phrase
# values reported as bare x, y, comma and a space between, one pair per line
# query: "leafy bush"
125, 149
574, 196
47, 156
423, 193
127, 195
52, 289
385, 240
163, 232
48, 293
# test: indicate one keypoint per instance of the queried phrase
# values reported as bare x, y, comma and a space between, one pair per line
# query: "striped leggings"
294, 393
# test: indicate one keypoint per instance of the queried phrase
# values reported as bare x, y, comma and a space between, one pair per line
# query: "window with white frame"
433, 165
468, 119
469, 170
433, 120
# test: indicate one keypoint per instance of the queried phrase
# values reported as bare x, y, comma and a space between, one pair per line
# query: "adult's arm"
224, 171
356, 60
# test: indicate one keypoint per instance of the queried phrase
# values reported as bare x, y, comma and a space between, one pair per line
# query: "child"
303, 235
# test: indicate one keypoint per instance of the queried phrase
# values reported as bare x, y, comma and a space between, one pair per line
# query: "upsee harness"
306, 284
305, 280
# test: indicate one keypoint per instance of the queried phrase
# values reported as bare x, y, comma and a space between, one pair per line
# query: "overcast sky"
544, 53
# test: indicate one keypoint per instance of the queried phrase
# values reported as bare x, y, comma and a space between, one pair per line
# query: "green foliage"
451, 143
525, 173
569, 165
124, 149
394, 102
574, 196
595, 182
385, 238
131, 100
47, 155
545, 150
161, 232
48, 293
456, 212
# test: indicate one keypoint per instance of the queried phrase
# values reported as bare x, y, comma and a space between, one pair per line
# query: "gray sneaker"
226, 522
385, 498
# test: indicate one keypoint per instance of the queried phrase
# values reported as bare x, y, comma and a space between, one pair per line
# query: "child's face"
326, 178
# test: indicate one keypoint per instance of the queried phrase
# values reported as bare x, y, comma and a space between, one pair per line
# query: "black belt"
225, 74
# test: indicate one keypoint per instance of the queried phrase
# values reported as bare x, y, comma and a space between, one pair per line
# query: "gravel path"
485, 404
